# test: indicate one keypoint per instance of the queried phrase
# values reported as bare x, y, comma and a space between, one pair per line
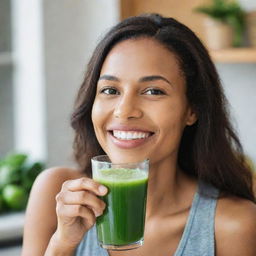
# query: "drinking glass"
121, 227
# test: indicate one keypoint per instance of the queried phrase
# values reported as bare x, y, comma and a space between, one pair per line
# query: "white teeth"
130, 135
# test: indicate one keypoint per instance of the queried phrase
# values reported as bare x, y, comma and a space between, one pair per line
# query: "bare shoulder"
235, 227
41, 219
50, 181
57, 175
48, 184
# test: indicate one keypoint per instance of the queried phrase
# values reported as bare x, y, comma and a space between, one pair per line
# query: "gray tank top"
197, 238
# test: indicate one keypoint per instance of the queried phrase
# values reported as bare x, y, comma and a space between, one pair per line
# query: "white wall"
71, 29
6, 81
29, 97
248, 5
239, 81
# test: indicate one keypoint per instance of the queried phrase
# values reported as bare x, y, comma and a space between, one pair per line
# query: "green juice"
123, 220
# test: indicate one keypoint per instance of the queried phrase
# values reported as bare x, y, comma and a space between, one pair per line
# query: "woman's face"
140, 108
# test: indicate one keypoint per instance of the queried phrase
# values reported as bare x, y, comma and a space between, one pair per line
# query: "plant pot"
218, 35
251, 27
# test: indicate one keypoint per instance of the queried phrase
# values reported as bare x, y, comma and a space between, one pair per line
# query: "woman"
150, 91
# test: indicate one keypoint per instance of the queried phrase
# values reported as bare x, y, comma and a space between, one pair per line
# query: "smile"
129, 139
130, 135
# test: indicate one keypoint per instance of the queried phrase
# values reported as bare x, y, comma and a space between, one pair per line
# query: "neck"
169, 189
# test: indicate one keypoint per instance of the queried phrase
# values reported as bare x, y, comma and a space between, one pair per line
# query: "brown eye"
152, 91
109, 91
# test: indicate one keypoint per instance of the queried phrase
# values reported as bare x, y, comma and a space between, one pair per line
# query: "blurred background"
44, 48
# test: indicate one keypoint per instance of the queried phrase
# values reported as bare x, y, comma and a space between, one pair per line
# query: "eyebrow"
141, 80
154, 78
109, 78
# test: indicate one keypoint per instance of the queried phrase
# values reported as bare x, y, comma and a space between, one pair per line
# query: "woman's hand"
77, 209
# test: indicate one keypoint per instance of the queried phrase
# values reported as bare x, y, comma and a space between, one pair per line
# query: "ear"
191, 117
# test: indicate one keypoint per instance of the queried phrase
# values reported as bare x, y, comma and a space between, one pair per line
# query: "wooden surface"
234, 55
181, 10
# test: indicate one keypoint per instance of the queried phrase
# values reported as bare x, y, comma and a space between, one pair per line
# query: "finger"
85, 184
73, 211
82, 198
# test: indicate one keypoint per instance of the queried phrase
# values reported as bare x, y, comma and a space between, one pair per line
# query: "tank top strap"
198, 235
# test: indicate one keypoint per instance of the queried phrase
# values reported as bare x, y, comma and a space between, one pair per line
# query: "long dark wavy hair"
210, 149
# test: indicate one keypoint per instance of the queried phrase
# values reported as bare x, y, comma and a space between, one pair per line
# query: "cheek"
101, 112
172, 123
95, 113
171, 129
97, 119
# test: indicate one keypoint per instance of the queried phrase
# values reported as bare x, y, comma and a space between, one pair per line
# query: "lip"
129, 144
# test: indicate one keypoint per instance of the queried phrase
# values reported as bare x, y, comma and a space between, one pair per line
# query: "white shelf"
5, 58
11, 225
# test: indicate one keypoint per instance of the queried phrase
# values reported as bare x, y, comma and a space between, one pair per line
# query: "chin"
126, 157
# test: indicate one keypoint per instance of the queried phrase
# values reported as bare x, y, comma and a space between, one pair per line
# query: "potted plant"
228, 13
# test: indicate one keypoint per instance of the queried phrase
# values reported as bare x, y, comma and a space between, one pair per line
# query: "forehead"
141, 56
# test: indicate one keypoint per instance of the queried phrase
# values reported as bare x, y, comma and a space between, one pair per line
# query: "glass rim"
94, 159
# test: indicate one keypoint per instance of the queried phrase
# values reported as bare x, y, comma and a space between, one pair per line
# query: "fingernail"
103, 190
98, 214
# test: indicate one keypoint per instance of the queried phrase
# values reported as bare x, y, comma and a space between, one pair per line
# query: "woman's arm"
235, 227
41, 219
57, 248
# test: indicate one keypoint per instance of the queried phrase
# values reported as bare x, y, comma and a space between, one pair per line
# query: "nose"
128, 107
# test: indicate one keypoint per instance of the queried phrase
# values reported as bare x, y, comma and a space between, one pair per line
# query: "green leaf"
15, 197
17, 176
11, 169
1, 203
15, 160
9, 175
221, 9
30, 173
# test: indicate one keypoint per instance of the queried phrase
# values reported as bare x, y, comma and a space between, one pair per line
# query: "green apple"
15, 197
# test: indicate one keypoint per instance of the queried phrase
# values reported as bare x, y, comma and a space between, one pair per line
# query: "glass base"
124, 247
